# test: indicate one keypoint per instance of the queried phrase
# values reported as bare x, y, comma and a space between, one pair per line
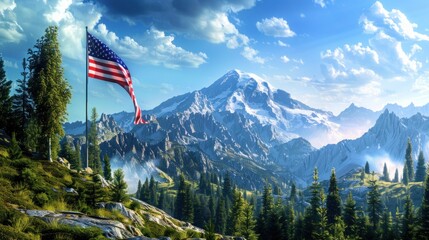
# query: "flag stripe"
108, 79
105, 65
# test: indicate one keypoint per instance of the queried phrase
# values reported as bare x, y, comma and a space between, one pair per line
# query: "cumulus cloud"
394, 58
10, 30
394, 23
208, 20
252, 55
276, 27
159, 48
322, 3
282, 44
285, 59
421, 84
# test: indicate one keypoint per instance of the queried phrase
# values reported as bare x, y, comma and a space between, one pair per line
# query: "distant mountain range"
243, 125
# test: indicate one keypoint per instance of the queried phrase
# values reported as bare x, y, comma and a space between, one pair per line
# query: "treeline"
217, 205
408, 173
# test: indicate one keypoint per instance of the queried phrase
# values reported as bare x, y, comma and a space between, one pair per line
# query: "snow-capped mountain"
383, 143
244, 101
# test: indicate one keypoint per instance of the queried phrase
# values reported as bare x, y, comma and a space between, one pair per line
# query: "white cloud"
282, 44
298, 61
276, 27
10, 30
415, 49
285, 59
393, 23
421, 85
199, 19
302, 15
322, 3
393, 58
10, 64
252, 55
158, 49
7, 5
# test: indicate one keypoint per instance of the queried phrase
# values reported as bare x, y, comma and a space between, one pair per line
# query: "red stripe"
122, 84
95, 69
113, 72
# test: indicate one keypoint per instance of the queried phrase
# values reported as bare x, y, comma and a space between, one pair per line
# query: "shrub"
68, 232
20, 222
14, 150
134, 205
56, 205
8, 232
41, 199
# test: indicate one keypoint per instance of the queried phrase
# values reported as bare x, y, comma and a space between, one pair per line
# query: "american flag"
105, 65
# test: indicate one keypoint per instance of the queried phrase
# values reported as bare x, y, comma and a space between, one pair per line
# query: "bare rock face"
112, 229
135, 218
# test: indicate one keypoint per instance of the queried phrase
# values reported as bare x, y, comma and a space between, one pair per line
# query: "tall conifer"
421, 168
333, 200
49, 90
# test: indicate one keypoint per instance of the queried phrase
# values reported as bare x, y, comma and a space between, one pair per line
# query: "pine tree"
292, 196
95, 191
367, 171
5, 99
139, 188
421, 168
212, 208
322, 227
14, 150
312, 215
362, 176
144, 191
409, 161
386, 225
385, 173
333, 200
119, 187
423, 228
396, 178
405, 178
396, 231
107, 171
209, 233
374, 205
77, 157
408, 219
184, 206
188, 209
22, 107
68, 153
274, 226
289, 221
236, 215
162, 203
338, 229
227, 188
267, 207
349, 216
49, 90
247, 226
153, 197
94, 153
220, 219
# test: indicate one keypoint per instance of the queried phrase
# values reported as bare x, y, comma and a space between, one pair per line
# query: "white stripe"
110, 69
106, 75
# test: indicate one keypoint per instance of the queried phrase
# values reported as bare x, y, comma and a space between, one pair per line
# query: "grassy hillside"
37, 184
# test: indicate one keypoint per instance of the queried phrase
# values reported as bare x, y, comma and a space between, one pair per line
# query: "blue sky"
326, 53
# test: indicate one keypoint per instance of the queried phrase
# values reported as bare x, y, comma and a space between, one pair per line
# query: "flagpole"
86, 101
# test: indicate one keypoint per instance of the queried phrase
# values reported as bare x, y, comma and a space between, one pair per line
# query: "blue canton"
98, 49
